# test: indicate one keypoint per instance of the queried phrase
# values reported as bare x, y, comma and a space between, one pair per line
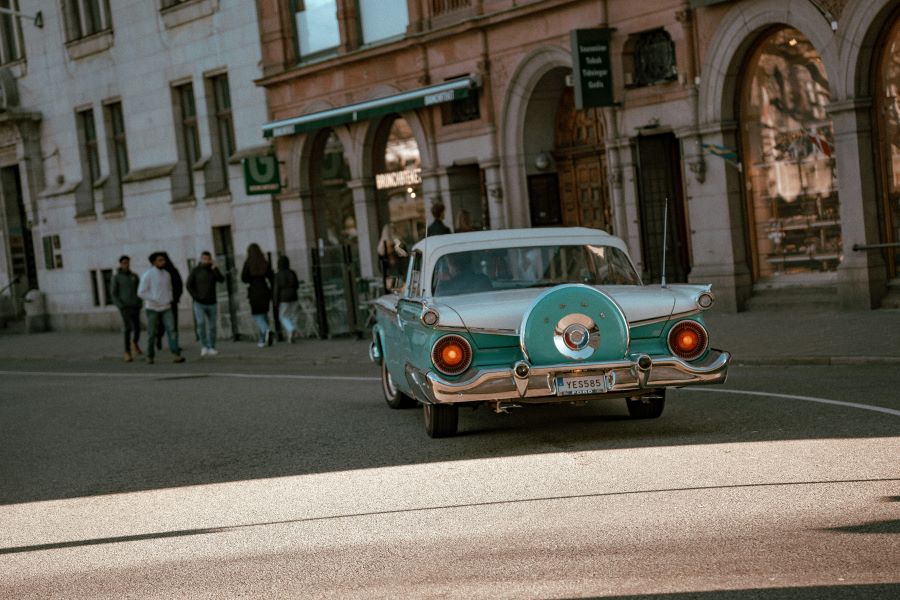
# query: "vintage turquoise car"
537, 316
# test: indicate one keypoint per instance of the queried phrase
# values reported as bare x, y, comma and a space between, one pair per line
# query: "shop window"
316, 25
188, 137
398, 181
118, 155
887, 115
101, 283
12, 47
90, 161
84, 18
461, 109
221, 133
649, 59
382, 19
52, 253
790, 170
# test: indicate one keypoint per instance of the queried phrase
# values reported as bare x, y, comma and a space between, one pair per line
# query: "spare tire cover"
573, 323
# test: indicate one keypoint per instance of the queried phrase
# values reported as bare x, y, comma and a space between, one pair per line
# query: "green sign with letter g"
261, 175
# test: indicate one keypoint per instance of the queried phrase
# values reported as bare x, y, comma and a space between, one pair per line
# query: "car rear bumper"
639, 373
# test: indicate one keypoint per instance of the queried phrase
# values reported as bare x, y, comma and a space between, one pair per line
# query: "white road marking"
881, 409
188, 375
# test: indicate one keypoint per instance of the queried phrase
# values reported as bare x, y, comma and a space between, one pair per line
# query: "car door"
403, 348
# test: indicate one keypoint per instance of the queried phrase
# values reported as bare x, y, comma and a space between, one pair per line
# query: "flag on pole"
727, 154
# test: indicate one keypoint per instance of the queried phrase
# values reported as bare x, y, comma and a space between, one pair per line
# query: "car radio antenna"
665, 239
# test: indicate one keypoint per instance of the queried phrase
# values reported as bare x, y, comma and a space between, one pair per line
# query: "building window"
382, 19
118, 152
649, 59
317, 26
188, 139
170, 3
461, 109
90, 162
86, 17
789, 166
11, 45
222, 130
101, 284
52, 253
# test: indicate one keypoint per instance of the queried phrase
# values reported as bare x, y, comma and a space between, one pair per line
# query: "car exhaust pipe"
644, 363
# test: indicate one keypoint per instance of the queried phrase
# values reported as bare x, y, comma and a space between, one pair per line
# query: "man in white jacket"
155, 290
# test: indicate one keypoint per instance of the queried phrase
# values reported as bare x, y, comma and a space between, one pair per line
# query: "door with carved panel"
580, 156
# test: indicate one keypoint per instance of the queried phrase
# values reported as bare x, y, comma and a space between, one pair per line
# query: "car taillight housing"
451, 354
688, 340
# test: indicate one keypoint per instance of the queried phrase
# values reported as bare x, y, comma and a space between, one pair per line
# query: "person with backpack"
201, 285
286, 298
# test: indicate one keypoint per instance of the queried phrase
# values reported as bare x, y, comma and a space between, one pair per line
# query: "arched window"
887, 115
398, 180
788, 161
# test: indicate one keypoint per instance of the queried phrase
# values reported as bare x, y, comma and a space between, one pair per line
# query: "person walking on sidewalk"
286, 298
438, 227
257, 274
155, 290
124, 292
201, 285
177, 290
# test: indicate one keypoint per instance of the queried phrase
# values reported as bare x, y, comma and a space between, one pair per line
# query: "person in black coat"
257, 274
286, 297
177, 290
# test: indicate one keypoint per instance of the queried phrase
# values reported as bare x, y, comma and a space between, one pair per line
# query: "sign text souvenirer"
591, 68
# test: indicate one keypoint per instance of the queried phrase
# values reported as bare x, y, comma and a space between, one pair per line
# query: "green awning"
702, 3
370, 109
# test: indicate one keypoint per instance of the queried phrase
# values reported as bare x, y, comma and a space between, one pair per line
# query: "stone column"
493, 183
627, 213
862, 276
298, 235
716, 217
365, 211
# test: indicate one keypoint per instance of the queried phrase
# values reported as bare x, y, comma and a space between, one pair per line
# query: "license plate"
574, 386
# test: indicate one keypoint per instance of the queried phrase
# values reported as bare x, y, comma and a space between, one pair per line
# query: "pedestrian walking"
155, 290
392, 255
464, 222
201, 285
177, 290
257, 274
124, 292
286, 298
438, 227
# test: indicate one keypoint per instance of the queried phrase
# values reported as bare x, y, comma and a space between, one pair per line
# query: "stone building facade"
122, 133
736, 115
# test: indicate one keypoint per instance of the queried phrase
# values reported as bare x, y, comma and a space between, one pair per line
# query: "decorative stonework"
185, 12
835, 7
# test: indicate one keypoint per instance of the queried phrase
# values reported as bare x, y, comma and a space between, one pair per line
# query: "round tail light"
451, 354
688, 340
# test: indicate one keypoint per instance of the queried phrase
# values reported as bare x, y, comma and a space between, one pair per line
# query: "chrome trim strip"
499, 384
681, 315
487, 330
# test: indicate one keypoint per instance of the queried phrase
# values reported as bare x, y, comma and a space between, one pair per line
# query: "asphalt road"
180, 482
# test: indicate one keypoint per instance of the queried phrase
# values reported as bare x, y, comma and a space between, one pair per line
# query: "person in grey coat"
123, 289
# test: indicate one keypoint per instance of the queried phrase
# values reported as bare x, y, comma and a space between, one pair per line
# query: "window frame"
187, 133
12, 44
78, 13
222, 132
322, 52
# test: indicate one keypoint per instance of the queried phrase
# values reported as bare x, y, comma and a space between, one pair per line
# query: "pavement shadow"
819, 592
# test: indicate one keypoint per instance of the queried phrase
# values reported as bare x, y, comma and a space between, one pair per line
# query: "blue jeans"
262, 323
206, 315
168, 321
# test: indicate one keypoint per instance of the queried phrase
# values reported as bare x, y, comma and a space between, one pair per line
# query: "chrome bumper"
538, 384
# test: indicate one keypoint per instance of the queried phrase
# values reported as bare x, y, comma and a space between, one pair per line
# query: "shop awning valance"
370, 109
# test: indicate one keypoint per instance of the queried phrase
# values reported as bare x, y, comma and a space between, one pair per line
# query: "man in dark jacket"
201, 285
123, 290
438, 227
177, 290
285, 296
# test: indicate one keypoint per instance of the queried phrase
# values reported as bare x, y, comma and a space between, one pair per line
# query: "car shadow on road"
62, 440
818, 592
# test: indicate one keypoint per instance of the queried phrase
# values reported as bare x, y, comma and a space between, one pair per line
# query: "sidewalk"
754, 338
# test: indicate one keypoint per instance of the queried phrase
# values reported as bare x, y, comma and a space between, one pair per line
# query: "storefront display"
788, 159
887, 107
398, 182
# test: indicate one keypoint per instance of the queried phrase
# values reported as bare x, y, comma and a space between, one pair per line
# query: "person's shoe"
178, 359
204, 351
261, 344
128, 357
212, 352
270, 338
150, 360
135, 349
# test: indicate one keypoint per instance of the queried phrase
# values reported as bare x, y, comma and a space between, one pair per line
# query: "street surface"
220, 480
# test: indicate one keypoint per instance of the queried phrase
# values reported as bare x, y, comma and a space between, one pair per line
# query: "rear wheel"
441, 420
394, 397
647, 407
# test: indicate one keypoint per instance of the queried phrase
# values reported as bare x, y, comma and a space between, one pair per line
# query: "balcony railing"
440, 8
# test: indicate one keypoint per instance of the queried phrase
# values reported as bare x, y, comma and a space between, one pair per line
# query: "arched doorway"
887, 119
789, 168
565, 158
397, 165
335, 257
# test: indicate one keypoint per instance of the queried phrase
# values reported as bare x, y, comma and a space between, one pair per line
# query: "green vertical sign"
591, 68
261, 175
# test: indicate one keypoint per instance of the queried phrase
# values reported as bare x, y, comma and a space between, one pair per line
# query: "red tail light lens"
451, 355
688, 340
